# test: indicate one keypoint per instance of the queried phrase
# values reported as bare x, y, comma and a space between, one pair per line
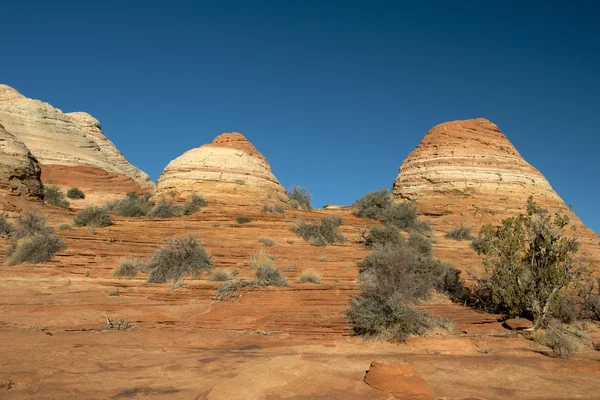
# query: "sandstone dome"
19, 170
229, 169
70, 148
469, 173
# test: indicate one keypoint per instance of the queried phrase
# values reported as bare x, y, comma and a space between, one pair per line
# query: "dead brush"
117, 325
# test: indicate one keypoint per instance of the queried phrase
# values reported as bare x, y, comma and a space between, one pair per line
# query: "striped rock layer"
71, 148
468, 172
229, 169
19, 170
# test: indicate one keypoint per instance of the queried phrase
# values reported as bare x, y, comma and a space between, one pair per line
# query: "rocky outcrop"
61, 143
19, 170
469, 173
229, 169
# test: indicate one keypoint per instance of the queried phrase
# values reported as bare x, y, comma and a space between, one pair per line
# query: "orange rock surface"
468, 172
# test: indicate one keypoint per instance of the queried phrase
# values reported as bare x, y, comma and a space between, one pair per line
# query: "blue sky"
334, 94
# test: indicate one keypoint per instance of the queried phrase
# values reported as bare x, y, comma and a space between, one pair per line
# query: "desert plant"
529, 259
261, 258
6, 227
130, 266
268, 275
195, 203
64, 227
299, 198
460, 233
31, 224
273, 209
266, 241
93, 216
383, 235
54, 196
564, 309
164, 209
219, 275
177, 258
420, 244
34, 249
560, 341
373, 205
75, 194
320, 233
309, 276
243, 219
131, 206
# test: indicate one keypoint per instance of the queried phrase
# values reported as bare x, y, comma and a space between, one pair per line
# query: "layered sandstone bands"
229, 169
60, 142
19, 170
469, 173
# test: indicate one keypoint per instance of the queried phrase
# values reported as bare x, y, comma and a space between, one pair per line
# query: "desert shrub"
564, 309
261, 258
243, 219
219, 275
55, 197
64, 227
529, 259
93, 216
401, 215
309, 276
177, 258
383, 235
6, 227
320, 233
75, 194
299, 198
268, 275
34, 249
392, 278
130, 266
266, 241
374, 205
131, 206
31, 224
560, 341
164, 209
590, 302
460, 233
273, 209
196, 202
420, 244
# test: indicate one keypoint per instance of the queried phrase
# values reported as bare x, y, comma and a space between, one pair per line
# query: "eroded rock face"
60, 142
229, 169
19, 170
469, 173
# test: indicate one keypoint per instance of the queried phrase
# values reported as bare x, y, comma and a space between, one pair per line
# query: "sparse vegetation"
64, 227
529, 260
309, 276
130, 266
164, 209
320, 233
420, 244
75, 194
261, 258
299, 198
378, 205
383, 235
179, 257
93, 216
131, 206
266, 241
273, 209
134, 205
6, 227
243, 219
269, 275
54, 196
196, 202
219, 275
460, 233
32, 241
266, 275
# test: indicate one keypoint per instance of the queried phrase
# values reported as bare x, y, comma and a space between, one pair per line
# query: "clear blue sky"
334, 94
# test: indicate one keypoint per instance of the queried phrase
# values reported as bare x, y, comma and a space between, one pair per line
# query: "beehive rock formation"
229, 169
468, 172
71, 150
19, 170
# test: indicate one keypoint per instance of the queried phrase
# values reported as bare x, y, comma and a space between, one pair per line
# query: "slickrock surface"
468, 172
276, 343
60, 143
229, 169
19, 170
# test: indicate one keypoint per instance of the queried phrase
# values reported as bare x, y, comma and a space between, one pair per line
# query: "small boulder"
400, 380
518, 324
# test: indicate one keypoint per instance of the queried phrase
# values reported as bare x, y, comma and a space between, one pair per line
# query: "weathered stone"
59, 141
229, 169
19, 170
400, 380
517, 324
